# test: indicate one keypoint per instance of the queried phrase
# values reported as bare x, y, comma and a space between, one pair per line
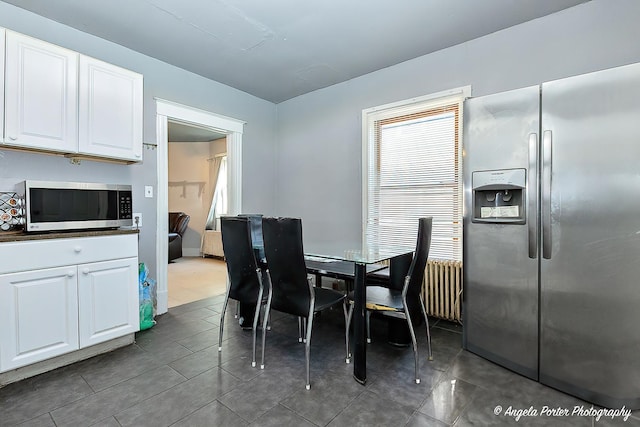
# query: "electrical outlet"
137, 220
148, 191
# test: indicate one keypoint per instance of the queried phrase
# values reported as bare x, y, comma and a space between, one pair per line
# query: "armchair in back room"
178, 222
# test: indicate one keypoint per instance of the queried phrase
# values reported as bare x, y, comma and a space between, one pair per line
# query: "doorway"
166, 112
197, 184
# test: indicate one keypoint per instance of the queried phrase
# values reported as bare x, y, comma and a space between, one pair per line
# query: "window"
413, 169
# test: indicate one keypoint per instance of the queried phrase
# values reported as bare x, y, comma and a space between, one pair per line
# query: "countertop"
11, 236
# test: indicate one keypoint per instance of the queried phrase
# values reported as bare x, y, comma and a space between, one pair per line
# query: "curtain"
214, 168
218, 205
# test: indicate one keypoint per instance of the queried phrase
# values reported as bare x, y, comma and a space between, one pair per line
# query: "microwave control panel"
125, 205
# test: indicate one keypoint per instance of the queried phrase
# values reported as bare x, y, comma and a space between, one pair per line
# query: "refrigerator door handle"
547, 139
533, 195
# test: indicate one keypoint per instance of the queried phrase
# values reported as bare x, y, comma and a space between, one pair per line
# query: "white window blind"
413, 170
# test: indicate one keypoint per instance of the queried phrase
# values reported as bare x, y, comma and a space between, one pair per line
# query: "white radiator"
212, 243
443, 289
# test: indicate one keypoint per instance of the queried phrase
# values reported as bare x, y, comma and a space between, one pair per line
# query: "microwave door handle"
547, 140
532, 222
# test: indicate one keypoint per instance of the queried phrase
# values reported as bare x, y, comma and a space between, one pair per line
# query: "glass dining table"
361, 256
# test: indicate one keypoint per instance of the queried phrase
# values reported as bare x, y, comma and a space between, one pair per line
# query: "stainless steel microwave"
51, 206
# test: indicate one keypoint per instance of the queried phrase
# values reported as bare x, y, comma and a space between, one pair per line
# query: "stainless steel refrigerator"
552, 233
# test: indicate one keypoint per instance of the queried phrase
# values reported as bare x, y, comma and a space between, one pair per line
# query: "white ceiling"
279, 49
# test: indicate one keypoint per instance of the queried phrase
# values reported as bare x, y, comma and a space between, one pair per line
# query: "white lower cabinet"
47, 311
107, 303
38, 314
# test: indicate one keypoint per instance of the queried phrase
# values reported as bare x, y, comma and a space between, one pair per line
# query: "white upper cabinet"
57, 100
2, 42
110, 120
41, 95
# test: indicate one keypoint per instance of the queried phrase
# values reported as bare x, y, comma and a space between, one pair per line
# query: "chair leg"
413, 341
300, 329
224, 310
254, 329
426, 322
304, 327
266, 281
265, 321
307, 349
349, 316
346, 329
237, 313
368, 320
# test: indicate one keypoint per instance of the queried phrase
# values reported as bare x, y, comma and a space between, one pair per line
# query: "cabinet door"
41, 95
110, 121
107, 300
2, 38
38, 315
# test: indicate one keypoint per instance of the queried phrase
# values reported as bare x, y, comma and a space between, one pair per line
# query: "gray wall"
319, 139
303, 157
162, 81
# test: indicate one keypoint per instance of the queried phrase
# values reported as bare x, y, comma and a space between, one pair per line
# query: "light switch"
148, 191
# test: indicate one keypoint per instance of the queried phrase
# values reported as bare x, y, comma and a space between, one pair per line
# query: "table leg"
359, 322
246, 315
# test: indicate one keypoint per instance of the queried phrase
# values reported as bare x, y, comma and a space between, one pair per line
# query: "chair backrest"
256, 233
178, 222
416, 270
285, 259
398, 269
240, 258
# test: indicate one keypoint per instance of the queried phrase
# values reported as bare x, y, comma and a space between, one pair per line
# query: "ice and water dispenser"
499, 196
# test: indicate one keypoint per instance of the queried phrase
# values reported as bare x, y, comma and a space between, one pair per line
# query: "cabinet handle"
71, 273
13, 138
77, 249
85, 271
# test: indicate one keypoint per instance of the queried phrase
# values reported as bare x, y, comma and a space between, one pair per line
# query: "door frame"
233, 129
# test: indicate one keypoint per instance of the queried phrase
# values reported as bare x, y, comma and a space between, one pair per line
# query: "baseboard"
64, 359
191, 252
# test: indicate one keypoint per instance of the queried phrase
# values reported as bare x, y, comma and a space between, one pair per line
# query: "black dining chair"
290, 291
391, 301
245, 277
256, 235
391, 277
242, 312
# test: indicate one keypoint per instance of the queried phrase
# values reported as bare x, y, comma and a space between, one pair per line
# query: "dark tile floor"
174, 376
